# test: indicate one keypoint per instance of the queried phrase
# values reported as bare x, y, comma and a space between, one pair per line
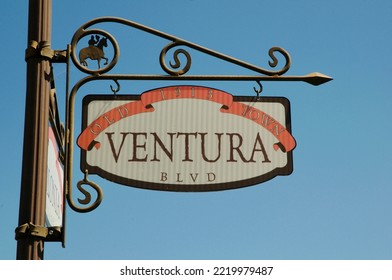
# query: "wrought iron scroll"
87, 195
83, 31
176, 70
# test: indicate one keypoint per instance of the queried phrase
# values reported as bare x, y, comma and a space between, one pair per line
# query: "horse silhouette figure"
94, 52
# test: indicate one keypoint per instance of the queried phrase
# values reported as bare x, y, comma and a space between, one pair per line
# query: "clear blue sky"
335, 205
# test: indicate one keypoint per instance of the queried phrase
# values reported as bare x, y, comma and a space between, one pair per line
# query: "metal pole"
35, 146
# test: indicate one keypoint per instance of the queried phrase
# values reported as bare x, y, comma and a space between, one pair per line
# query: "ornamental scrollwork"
177, 62
94, 51
97, 44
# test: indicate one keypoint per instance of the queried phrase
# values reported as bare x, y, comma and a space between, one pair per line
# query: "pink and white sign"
186, 138
54, 187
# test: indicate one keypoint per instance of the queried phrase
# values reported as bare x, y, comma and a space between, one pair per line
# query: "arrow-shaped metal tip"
317, 79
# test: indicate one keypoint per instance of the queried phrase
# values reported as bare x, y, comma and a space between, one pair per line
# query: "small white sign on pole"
54, 187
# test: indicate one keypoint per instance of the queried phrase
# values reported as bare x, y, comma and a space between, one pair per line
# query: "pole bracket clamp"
42, 50
46, 233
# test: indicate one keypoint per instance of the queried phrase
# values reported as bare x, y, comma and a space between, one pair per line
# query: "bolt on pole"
35, 147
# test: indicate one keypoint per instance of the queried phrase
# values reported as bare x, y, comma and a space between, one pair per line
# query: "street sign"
186, 138
54, 188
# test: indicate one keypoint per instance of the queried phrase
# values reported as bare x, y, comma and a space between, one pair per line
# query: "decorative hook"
87, 196
115, 90
258, 91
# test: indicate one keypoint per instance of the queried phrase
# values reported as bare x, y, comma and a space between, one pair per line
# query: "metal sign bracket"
96, 40
43, 50
46, 233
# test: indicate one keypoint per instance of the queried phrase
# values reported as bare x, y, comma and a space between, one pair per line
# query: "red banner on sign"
86, 139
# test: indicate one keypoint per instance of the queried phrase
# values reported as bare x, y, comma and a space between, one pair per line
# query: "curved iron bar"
82, 32
176, 60
69, 150
87, 196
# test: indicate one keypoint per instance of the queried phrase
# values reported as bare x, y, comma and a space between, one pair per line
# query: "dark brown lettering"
261, 148
164, 149
137, 146
194, 176
203, 147
236, 148
115, 154
187, 158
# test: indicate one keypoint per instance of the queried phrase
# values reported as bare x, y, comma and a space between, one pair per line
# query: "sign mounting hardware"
100, 54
